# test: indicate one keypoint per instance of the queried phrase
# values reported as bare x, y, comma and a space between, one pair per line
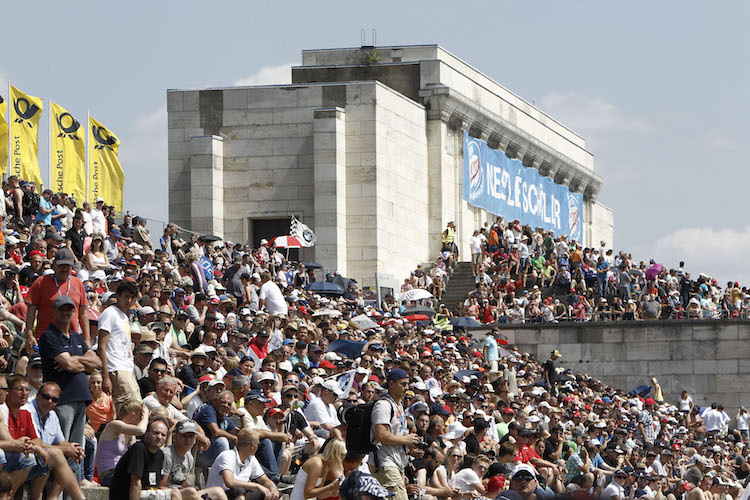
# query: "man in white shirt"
321, 410
98, 219
475, 244
616, 489
270, 296
713, 419
237, 471
115, 351
469, 480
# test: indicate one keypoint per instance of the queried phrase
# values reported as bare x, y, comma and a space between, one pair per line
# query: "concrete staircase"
459, 285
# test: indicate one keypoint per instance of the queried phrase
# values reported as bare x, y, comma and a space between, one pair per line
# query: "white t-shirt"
249, 470
119, 349
742, 421
318, 411
274, 300
152, 402
713, 420
475, 243
99, 221
464, 479
88, 224
685, 404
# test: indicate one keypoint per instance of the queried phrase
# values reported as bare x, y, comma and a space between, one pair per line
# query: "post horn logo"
1, 99
68, 125
103, 137
25, 111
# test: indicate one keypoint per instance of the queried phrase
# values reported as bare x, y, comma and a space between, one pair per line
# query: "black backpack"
358, 421
30, 203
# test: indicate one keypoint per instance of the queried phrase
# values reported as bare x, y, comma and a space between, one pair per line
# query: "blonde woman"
325, 466
118, 435
444, 475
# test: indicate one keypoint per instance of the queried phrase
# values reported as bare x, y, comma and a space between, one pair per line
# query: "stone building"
365, 147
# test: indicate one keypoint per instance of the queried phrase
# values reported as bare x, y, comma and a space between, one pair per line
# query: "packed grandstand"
199, 368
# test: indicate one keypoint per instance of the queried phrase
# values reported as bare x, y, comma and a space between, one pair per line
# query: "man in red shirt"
44, 291
21, 425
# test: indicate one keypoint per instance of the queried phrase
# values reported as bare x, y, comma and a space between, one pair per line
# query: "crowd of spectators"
532, 275
198, 368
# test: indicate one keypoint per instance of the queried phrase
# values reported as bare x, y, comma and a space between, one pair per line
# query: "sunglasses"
291, 396
49, 398
157, 370
523, 477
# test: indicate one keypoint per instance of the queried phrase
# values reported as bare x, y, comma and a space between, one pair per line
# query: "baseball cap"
263, 376
333, 386
65, 257
215, 382
186, 426
36, 359
358, 483
199, 352
63, 300
520, 468
257, 396
397, 374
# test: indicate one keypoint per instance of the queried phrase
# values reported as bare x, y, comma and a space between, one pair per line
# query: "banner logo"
574, 217
475, 169
103, 137
68, 125
1, 99
25, 110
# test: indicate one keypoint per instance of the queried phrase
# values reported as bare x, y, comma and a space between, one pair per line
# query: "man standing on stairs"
449, 240
475, 244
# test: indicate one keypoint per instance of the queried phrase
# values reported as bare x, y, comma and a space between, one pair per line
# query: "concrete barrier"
708, 358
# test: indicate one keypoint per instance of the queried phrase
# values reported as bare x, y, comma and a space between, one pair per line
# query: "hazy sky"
658, 89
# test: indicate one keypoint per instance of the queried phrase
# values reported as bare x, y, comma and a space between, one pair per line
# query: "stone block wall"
708, 358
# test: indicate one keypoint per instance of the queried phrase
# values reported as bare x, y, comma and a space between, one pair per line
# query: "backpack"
30, 203
358, 421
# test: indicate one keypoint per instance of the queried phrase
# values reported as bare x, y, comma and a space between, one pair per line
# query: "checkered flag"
303, 233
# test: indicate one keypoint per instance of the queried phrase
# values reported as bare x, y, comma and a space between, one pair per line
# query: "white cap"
456, 430
534, 418
522, 468
265, 376
333, 386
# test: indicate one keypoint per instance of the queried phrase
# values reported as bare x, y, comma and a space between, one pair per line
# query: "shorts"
124, 388
476, 258
392, 479
156, 494
12, 461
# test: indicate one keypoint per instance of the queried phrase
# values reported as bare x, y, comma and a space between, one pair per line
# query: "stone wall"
708, 358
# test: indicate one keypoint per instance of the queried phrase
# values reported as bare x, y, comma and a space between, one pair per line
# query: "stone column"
329, 164
207, 184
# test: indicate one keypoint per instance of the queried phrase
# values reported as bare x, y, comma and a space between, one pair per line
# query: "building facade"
365, 147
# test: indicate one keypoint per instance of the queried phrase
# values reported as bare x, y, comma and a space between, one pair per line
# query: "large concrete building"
365, 146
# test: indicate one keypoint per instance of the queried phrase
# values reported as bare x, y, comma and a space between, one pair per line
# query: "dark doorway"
270, 228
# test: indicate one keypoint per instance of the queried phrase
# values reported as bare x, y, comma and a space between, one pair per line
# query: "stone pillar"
329, 164
207, 184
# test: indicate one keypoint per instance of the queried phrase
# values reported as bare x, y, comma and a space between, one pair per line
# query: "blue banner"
504, 186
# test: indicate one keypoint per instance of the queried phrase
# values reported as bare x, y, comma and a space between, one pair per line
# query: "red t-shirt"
525, 454
22, 426
45, 290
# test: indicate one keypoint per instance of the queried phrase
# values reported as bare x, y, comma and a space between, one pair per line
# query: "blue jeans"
72, 418
269, 457
11, 461
206, 458
602, 282
87, 471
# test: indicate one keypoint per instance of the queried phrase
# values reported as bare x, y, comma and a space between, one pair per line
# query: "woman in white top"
445, 475
686, 402
95, 259
743, 419
327, 465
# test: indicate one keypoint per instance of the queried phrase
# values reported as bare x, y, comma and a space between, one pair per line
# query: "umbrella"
416, 294
348, 348
465, 322
312, 265
341, 281
287, 241
324, 288
653, 271
641, 390
364, 322
466, 373
327, 312
428, 311
417, 317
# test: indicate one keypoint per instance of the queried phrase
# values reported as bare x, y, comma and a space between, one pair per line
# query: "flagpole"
87, 155
49, 134
8, 169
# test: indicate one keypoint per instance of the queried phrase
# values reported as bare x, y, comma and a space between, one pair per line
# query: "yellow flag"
106, 179
3, 136
25, 111
67, 154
